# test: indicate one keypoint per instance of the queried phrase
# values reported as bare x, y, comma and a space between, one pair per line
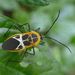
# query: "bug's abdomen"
10, 44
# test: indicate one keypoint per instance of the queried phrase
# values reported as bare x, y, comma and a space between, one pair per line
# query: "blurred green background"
52, 58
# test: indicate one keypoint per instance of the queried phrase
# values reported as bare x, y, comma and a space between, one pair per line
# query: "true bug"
24, 41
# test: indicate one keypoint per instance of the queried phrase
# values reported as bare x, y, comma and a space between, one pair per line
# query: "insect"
22, 41
25, 41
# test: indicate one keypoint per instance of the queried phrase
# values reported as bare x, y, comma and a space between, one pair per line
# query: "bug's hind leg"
17, 26
21, 56
5, 35
24, 53
8, 31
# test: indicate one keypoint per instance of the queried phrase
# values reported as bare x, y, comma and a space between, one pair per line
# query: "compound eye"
24, 37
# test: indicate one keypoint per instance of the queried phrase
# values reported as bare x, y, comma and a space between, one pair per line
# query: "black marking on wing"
27, 43
24, 37
10, 44
35, 40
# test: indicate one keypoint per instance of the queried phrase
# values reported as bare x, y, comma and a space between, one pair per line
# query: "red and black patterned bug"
24, 41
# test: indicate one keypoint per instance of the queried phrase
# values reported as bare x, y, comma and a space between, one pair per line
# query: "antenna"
53, 23
59, 43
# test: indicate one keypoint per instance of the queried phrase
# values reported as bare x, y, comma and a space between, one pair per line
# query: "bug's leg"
23, 54
5, 35
18, 27
32, 51
29, 28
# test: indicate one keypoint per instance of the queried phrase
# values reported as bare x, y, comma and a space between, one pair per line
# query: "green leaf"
35, 2
8, 4
5, 70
